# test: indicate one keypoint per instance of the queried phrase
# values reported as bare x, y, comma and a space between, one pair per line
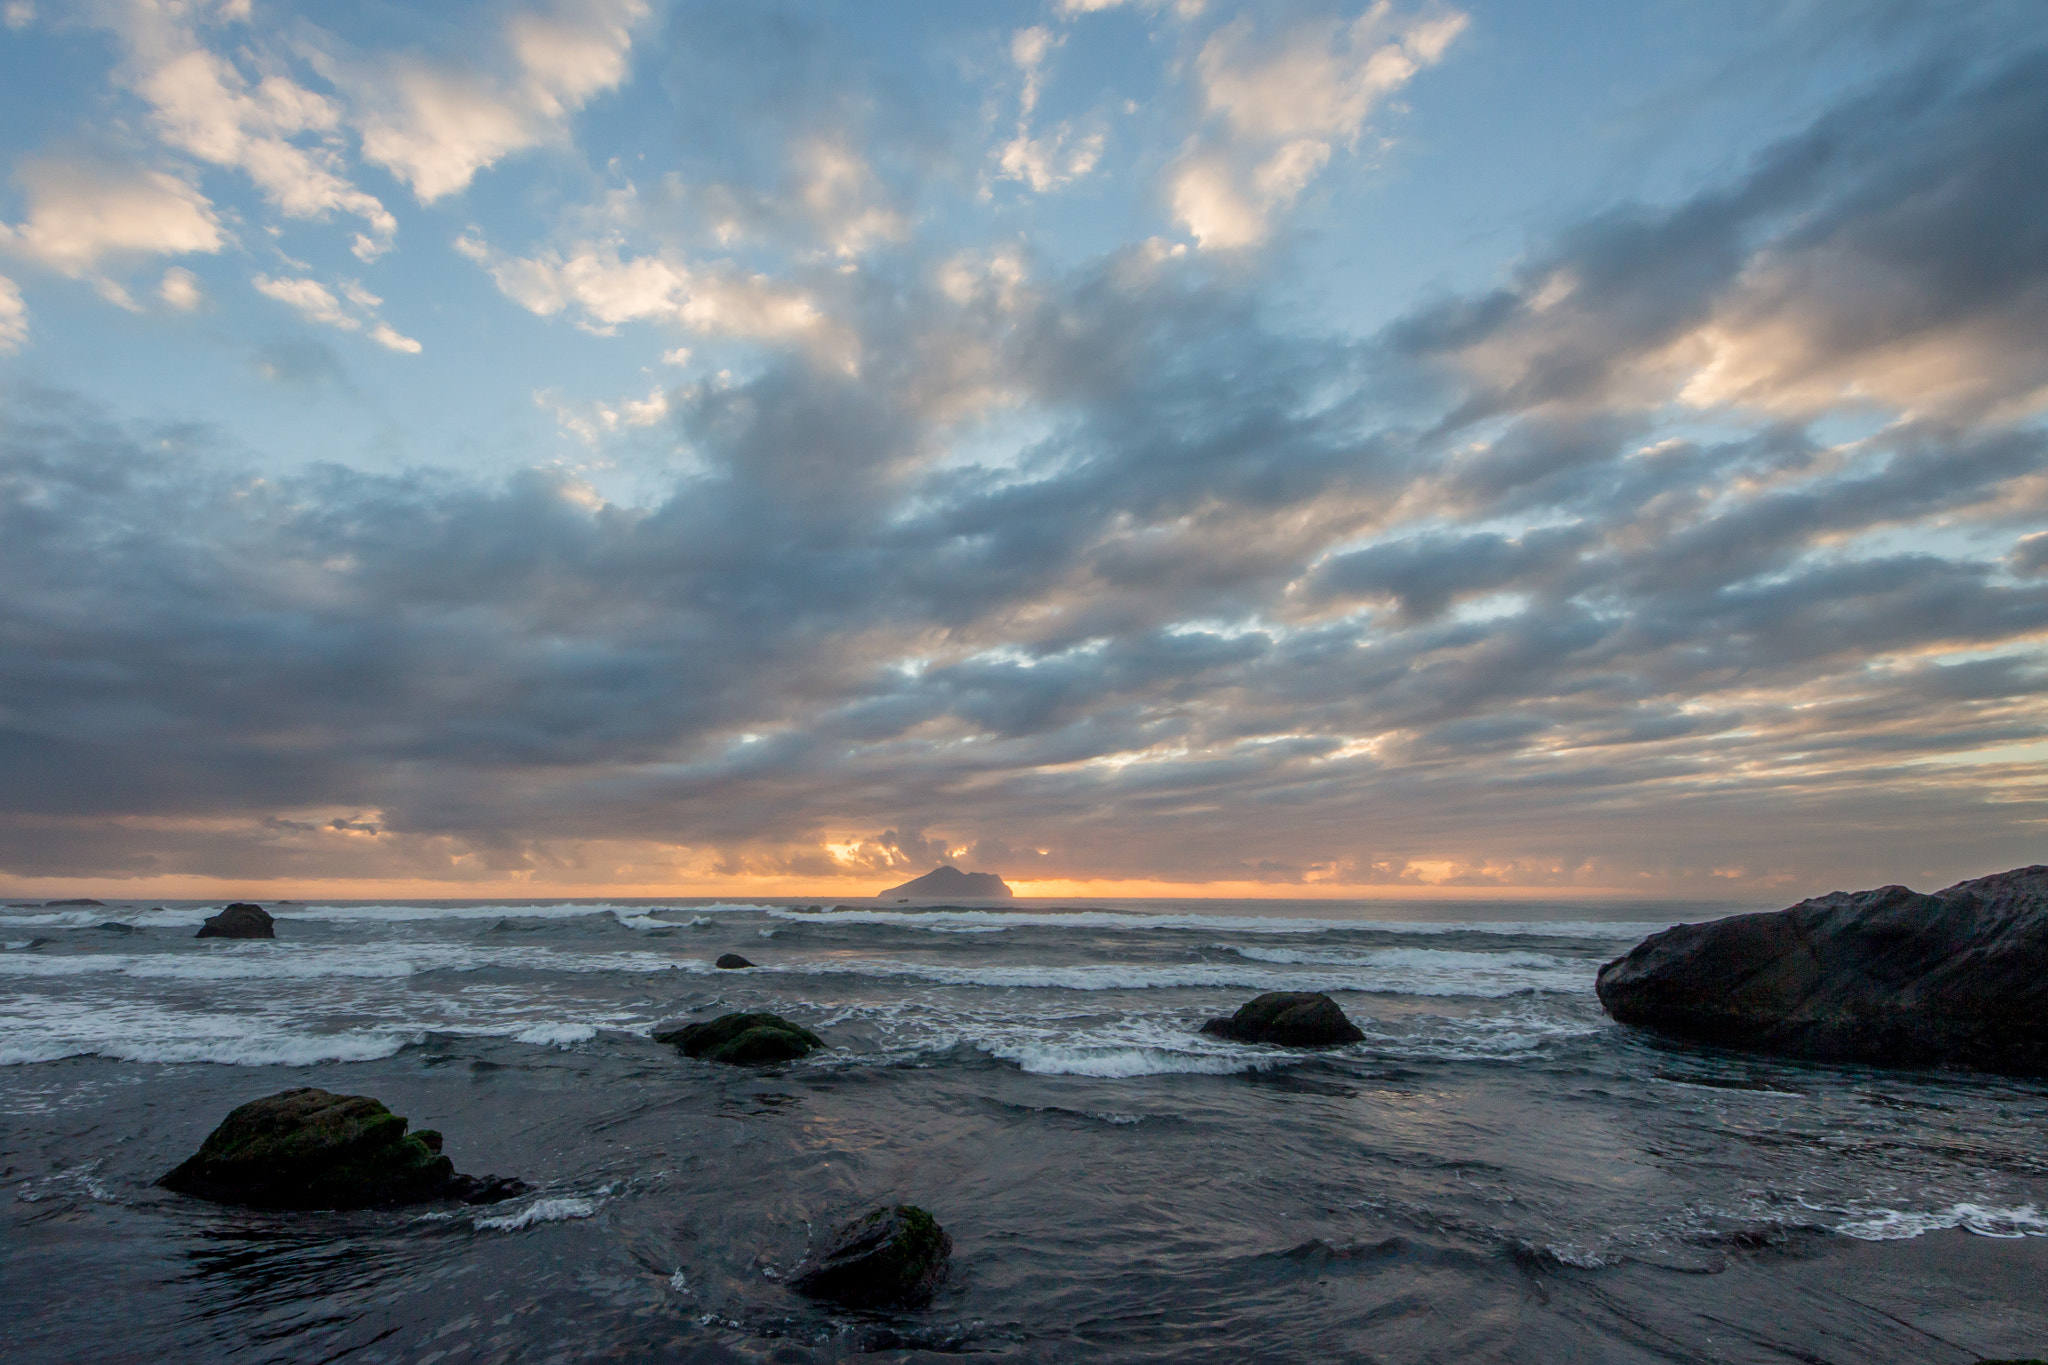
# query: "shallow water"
1496, 1173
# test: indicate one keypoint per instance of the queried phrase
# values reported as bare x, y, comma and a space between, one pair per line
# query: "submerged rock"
312, 1149
731, 961
1889, 977
743, 1039
240, 920
1289, 1018
890, 1258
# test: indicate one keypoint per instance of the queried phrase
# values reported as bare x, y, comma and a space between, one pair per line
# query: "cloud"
608, 288
1879, 260
1054, 158
13, 317
1105, 560
1281, 102
181, 289
83, 213
316, 303
435, 125
203, 105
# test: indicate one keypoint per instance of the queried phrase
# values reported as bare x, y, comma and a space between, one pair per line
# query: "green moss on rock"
743, 1039
312, 1149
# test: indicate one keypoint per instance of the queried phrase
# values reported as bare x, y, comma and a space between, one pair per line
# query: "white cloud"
13, 316
202, 104
312, 299
180, 289
18, 14
1054, 158
435, 127
607, 288
1318, 79
315, 302
1047, 162
1283, 103
80, 213
384, 334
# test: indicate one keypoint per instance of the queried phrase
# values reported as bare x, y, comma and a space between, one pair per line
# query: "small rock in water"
83, 901
312, 1149
891, 1258
743, 1039
240, 920
1289, 1018
730, 961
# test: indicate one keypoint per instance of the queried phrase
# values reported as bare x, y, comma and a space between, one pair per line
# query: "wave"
996, 921
559, 1209
300, 961
1892, 1225
1479, 978
191, 917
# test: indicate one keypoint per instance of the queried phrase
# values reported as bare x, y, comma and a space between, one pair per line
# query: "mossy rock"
743, 1039
890, 1258
311, 1149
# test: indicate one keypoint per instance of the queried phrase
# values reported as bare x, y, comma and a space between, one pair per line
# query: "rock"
1289, 1018
114, 926
85, 902
1888, 977
743, 1039
947, 882
891, 1258
240, 920
731, 961
311, 1149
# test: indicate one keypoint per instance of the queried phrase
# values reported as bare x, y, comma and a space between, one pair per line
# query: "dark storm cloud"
1225, 618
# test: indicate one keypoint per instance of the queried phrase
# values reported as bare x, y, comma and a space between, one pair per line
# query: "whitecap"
556, 1035
1891, 1225
556, 1210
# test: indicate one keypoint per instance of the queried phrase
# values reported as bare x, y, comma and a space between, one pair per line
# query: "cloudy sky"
1133, 446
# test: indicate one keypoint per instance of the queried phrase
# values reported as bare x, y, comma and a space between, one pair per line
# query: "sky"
1136, 447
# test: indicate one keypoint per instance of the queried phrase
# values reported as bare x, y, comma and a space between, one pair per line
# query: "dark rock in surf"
240, 920
84, 902
1889, 977
312, 1149
942, 883
1290, 1019
114, 926
731, 962
890, 1258
743, 1039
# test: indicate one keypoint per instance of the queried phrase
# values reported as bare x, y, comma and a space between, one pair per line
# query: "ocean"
1497, 1173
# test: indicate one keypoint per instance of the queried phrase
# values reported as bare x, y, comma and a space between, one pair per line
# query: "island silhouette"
949, 882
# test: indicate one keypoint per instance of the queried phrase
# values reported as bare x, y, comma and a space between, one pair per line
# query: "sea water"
1498, 1172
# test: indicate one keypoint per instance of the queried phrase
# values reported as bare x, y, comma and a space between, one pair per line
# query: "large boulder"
890, 1258
731, 962
240, 920
743, 1039
1891, 977
1289, 1018
311, 1149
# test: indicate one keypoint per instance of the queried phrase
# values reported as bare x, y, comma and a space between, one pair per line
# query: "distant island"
950, 883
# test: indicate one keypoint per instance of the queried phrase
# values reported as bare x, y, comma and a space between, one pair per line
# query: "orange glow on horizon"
195, 888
